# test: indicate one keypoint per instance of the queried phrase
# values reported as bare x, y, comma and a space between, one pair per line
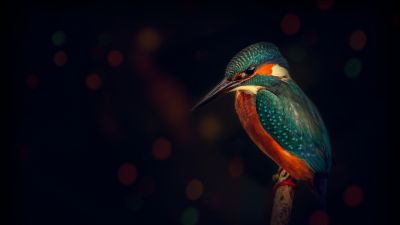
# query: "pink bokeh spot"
127, 173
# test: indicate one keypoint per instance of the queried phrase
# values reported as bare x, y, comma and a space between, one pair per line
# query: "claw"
282, 177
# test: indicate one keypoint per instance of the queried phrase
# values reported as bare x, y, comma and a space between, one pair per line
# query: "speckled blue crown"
254, 55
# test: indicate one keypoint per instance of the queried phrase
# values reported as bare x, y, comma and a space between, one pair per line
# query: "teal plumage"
284, 109
254, 55
277, 114
292, 119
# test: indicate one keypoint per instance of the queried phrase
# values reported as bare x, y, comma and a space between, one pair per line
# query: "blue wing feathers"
292, 119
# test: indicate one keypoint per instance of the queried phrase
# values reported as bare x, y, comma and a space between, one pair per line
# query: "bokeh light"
93, 81
324, 4
127, 173
353, 67
190, 216
134, 202
353, 196
58, 38
194, 189
32, 81
290, 24
358, 40
210, 127
235, 167
60, 58
115, 58
149, 39
161, 149
107, 89
319, 217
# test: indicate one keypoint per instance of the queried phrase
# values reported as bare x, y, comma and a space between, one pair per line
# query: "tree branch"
283, 198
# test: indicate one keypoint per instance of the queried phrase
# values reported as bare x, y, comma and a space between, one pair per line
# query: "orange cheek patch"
265, 69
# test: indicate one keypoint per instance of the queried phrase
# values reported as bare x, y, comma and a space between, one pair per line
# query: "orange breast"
245, 105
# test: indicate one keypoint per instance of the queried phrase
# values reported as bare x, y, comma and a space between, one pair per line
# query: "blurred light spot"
93, 81
235, 167
324, 4
358, 40
353, 196
149, 39
353, 67
161, 149
297, 52
210, 127
104, 38
58, 38
190, 216
32, 81
290, 24
147, 186
194, 189
115, 58
127, 173
319, 217
134, 202
60, 58
171, 101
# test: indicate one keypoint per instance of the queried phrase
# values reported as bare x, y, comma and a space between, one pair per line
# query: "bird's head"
249, 69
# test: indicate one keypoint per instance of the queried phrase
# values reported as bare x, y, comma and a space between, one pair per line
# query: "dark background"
102, 131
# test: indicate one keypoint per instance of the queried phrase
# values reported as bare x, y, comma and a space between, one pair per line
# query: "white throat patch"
252, 89
279, 71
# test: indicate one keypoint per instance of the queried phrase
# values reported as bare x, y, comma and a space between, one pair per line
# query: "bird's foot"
282, 177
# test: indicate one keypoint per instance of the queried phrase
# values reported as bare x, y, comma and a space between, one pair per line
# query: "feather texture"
253, 55
293, 120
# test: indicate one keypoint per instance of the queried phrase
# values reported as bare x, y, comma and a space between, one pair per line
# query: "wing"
291, 118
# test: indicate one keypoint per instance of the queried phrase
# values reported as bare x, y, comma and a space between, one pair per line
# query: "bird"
277, 115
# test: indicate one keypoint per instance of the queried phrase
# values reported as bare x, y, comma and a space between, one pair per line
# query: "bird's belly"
245, 105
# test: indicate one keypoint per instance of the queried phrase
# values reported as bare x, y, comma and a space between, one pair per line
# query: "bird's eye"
250, 70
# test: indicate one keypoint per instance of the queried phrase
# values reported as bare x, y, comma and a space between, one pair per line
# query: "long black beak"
223, 87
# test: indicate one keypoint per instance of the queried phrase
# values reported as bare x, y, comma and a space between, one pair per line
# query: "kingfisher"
277, 115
